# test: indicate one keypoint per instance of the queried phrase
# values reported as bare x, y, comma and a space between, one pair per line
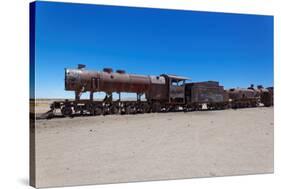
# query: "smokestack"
81, 66
108, 70
120, 71
260, 87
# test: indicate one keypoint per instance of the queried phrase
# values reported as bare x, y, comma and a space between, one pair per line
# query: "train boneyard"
164, 93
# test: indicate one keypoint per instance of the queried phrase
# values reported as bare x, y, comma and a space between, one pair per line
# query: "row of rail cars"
162, 93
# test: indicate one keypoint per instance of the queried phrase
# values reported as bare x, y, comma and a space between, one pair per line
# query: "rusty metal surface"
177, 92
158, 89
116, 82
163, 93
266, 96
241, 93
205, 92
176, 88
106, 81
79, 79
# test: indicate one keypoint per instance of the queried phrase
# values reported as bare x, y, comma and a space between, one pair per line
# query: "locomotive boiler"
157, 89
81, 80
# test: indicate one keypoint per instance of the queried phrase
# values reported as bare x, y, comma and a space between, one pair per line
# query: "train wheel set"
87, 108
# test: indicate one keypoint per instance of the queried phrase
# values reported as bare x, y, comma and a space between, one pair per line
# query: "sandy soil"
41, 105
111, 149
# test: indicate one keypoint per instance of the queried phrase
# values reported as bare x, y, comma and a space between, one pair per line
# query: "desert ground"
158, 146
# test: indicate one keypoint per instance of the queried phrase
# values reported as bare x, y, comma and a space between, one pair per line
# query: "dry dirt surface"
42, 105
159, 146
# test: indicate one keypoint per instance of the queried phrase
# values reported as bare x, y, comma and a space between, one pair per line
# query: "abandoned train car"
162, 93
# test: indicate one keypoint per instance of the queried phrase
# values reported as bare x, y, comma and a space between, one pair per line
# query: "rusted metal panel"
157, 92
79, 80
177, 92
158, 89
271, 92
241, 93
176, 88
205, 92
106, 81
266, 96
116, 82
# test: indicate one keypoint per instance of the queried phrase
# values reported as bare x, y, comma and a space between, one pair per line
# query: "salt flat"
159, 146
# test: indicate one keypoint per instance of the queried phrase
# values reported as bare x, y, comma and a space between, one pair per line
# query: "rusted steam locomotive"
163, 93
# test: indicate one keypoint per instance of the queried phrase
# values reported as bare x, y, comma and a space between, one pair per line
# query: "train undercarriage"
72, 108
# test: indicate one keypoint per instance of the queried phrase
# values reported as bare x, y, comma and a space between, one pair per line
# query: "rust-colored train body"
209, 93
250, 97
80, 80
162, 94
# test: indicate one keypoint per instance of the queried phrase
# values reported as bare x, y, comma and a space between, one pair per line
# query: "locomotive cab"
176, 88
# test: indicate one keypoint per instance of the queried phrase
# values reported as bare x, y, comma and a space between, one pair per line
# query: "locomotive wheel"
222, 106
114, 109
106, 110
198, 107
98, 110
90, 109
130, 109
216, 107
139, 109
66, 111
146, 108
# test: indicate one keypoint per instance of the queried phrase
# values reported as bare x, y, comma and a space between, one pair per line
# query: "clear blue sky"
234, 49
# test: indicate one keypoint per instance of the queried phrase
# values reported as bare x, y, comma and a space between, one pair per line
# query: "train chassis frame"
71, 108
